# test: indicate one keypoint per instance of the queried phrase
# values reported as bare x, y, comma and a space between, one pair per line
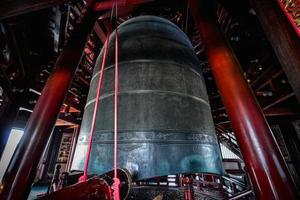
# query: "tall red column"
21, 172
263, 159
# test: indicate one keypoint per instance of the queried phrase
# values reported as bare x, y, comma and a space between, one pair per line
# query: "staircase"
228, 139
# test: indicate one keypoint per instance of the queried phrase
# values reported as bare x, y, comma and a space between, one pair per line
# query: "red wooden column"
263, 159
21, 172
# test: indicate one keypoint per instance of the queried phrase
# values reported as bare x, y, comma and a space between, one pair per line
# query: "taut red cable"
88, 154
116, 179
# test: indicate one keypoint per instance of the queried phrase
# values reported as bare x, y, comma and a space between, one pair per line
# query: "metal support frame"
263, 159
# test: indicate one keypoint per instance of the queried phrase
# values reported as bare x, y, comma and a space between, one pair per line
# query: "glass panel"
10, 147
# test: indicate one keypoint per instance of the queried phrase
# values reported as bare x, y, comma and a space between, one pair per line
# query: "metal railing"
210, 185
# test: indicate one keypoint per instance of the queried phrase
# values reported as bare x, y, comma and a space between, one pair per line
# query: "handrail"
234, 181
242, 194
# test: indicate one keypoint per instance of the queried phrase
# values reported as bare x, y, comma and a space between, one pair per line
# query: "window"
10, 147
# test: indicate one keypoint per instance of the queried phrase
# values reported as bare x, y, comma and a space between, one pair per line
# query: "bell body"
165, 122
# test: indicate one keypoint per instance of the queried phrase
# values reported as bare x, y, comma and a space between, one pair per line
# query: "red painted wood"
100, 33
289, 15
21, 171
263, 159
188, 192
107, 5
92, 189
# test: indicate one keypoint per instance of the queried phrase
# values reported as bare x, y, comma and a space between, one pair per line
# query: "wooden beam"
107, 5
278, 100
263, 79
283, 38
99, 32
61, 122
279, 112
10, 8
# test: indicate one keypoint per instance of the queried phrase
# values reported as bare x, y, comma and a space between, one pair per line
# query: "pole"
21, 171
263, 159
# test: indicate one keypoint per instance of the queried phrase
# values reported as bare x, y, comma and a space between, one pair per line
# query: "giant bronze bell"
165, 122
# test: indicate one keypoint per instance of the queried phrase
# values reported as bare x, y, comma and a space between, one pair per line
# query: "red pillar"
21, 172
188, 191
263, 159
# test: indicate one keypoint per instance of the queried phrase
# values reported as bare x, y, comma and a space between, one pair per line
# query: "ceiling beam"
277, 100
107, 5
271, 112
11, 8
265, 77
99, 32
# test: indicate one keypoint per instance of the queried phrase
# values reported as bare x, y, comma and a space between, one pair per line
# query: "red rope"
116, 179
88, 154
